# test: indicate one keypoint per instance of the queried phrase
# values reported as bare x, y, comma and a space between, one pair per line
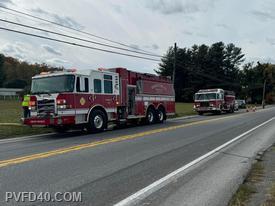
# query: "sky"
151, 25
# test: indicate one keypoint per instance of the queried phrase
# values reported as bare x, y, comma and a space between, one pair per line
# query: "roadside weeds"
259, 186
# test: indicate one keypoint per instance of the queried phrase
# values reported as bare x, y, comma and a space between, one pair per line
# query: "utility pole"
263, 100
174, 64
264, 74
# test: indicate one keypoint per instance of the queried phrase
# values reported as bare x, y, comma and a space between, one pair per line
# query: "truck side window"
108, 84
138, 88
78, 84
83, 88
97, 85
86, 81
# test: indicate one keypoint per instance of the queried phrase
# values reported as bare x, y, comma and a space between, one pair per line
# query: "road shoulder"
259, 186
215, 181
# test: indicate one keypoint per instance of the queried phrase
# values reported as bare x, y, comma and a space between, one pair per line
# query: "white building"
10, 93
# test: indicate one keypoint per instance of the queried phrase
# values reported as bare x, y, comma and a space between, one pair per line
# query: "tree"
14, 73
2, 74
252, 81
202, 67
17, 83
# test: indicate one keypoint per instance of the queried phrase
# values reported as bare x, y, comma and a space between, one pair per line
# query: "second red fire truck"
92, 98
214, 101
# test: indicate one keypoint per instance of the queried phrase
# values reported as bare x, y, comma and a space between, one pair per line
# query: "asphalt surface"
110, 166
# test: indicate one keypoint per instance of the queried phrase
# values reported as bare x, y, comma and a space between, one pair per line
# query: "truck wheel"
161, 116
61, 129
218, 112
200, 113
151, 116
97, 121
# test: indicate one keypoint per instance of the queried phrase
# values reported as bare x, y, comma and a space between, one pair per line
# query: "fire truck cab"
92, 98
214, 101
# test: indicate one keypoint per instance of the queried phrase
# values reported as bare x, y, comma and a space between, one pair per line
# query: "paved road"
110, 166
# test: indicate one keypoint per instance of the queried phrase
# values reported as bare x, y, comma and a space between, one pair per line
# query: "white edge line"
182, 118
18, 139
145, 192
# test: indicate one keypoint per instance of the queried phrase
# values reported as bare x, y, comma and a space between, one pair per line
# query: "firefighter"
25, 106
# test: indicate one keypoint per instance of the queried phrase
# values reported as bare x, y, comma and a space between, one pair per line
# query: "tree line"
199, 67
217, 66
18, 74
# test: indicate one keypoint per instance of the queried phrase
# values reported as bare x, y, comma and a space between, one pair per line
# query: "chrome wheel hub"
98, 121
150, 117
160, 115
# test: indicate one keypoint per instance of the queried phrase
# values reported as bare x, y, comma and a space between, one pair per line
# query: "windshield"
205, 96
53, 84
241, 101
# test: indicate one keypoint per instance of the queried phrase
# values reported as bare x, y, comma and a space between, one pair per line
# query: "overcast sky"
152, 25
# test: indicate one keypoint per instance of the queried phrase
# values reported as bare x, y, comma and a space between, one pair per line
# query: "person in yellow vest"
25, 105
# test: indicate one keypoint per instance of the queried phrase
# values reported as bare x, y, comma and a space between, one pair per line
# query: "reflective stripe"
154, 98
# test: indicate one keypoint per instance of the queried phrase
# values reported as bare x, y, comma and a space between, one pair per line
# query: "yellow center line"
27, 158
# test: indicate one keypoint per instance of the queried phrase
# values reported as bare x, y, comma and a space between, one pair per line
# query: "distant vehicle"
92, 98
241, 103
214, 101
236, 105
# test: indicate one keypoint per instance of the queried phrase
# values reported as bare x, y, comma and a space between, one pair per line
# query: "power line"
16, 15
76, 44
67, 27
76, 38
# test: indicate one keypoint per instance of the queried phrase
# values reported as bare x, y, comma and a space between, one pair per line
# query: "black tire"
97, 121
161, 115
200, 113
61, 129
218, 112
151, 116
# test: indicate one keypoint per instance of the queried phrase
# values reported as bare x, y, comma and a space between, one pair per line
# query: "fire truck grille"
45, 107
204, 104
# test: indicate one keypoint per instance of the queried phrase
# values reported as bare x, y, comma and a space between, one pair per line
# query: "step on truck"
214, 101
91, 99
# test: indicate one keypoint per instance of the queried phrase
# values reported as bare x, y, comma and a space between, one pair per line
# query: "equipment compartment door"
131, 99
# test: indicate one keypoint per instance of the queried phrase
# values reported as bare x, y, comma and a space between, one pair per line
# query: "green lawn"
11, 112
183, 109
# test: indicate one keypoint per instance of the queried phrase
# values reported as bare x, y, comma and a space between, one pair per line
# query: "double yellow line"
42, 155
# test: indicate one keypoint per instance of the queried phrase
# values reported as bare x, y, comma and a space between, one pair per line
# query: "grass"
11, 112
243, 194
270, 197
183, 109
271, 194
15, 131
246, 190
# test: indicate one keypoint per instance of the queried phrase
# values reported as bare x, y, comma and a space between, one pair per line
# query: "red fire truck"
214, 101
93, 98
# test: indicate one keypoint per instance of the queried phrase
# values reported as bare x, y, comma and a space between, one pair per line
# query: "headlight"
61, 106
33, 108
61, 101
